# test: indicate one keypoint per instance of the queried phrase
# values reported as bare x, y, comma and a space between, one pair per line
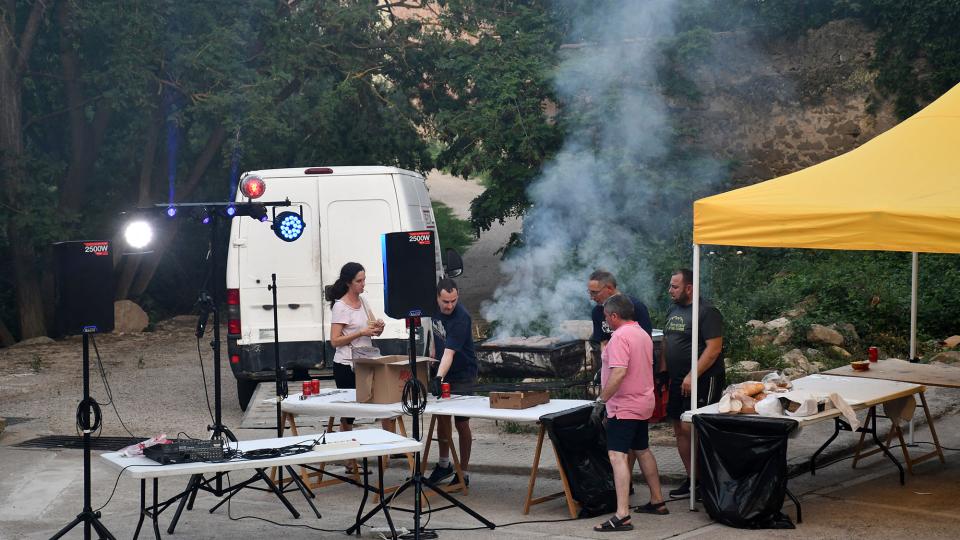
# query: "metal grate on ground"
74, 442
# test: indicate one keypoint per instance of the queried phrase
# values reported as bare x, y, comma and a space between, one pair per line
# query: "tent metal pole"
694, 349
914, 280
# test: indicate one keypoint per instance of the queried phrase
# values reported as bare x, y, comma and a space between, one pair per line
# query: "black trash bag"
743, 469
582, 449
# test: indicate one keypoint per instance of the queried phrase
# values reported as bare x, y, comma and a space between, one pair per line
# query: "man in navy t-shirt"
601, 286
453, 346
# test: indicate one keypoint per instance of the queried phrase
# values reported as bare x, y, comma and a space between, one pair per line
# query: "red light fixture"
252, 187
318, 170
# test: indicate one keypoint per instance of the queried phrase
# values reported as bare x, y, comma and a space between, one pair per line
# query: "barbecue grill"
531, 357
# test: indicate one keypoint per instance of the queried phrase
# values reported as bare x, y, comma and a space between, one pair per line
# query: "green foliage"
484, 94
681, 54
871, 290
454, 232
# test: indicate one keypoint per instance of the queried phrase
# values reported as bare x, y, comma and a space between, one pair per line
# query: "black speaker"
84, 286
409, 274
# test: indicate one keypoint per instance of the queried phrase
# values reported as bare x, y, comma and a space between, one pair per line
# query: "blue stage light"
231, 210
288, 226
171, 211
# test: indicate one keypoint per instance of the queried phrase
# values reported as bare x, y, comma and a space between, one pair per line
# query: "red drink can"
444, 390
315, 386
307, 389
873, 352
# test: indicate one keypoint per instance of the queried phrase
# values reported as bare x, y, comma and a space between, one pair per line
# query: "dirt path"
481, 273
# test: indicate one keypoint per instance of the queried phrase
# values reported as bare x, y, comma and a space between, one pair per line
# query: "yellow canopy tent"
898, 192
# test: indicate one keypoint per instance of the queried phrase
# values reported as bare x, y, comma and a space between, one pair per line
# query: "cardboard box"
381, 379
518, 400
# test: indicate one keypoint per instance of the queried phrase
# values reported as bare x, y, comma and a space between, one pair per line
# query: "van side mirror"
452, 263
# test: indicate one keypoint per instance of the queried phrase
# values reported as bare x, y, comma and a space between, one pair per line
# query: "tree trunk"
132, 263
13, 63
148, 266
85, 137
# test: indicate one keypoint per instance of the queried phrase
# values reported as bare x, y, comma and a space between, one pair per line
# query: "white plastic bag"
769, 406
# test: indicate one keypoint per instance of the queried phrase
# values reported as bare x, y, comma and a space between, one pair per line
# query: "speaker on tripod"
84, 305
410, 292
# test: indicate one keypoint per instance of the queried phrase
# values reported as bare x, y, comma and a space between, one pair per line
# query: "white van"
345, 210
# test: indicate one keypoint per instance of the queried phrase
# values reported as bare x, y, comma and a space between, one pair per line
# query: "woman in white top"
352, 326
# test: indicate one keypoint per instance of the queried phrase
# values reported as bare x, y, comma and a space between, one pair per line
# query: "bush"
453, 232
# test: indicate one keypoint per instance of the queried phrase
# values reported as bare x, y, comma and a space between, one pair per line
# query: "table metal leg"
836, 431
307, 494
872, 421
366, 487
386, 508
153, 514
192, 487
143, 507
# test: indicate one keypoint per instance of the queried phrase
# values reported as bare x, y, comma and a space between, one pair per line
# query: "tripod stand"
88, 517
209, 304
414, 403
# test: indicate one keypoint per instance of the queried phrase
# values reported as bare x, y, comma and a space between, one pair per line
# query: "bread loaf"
751, 388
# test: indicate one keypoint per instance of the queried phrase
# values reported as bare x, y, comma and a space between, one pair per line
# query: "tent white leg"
694, 349
914, 279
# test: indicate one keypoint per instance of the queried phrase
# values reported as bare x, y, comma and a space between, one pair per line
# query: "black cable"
203, 374
414, 388
118, 482
106, 386
230, 515
83, 421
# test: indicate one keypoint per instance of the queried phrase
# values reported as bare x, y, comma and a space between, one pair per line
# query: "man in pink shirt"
627, 391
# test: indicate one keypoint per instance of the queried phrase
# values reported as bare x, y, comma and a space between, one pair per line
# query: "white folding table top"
479, 407
343, 403
858, 393
373, 443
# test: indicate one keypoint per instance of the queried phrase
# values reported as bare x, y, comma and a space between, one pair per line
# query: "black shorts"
709, 389
344, 377
626, 435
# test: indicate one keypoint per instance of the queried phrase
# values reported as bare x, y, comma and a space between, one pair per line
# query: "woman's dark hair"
339, 288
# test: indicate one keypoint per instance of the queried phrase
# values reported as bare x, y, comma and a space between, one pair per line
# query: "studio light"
171, 211
288, 226
231, 211
138, 234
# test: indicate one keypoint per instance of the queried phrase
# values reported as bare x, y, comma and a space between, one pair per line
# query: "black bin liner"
582, 448
743, 469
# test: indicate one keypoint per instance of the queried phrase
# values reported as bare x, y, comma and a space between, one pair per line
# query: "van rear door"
297, 266
351, 227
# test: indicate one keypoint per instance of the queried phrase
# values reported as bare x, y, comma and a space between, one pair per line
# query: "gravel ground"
155, 378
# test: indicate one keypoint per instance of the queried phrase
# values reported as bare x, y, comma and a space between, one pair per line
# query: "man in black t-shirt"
601, 286
453, 346
675, 359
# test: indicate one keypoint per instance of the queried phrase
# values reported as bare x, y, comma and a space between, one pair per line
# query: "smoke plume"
604, 199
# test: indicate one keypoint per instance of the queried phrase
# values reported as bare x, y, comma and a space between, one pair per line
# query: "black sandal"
615, 524
659, 508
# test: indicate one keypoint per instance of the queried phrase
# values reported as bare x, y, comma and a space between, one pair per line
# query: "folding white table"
859, 394
479, 407
371, 443
342, 403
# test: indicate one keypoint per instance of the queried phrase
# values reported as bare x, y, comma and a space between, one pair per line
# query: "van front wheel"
245, 390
